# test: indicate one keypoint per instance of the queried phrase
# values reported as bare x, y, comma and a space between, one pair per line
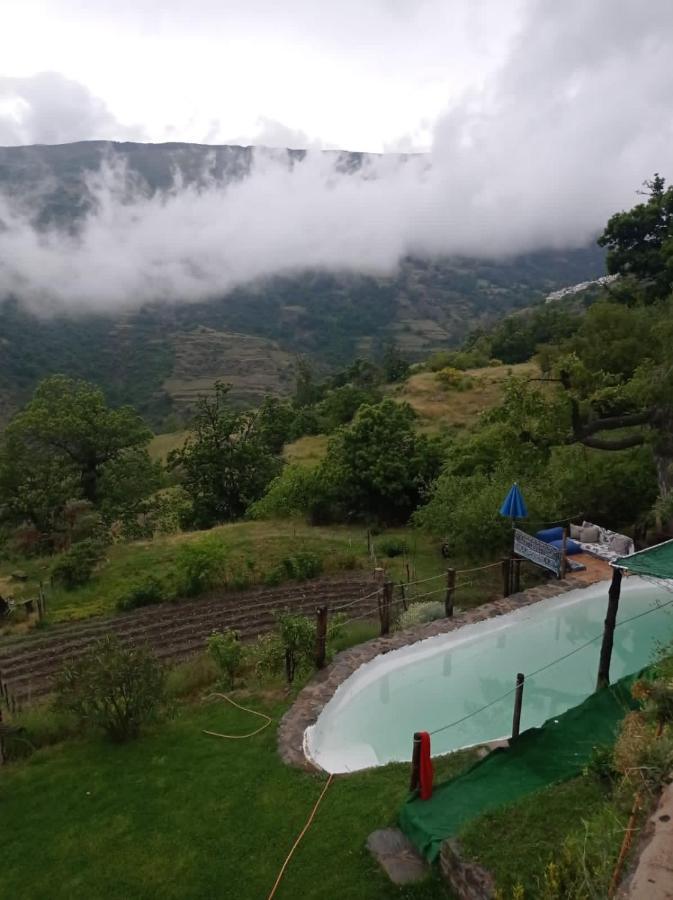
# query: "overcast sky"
357, 74
540, 117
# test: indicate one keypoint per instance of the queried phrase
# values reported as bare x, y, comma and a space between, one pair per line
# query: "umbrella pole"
609, 630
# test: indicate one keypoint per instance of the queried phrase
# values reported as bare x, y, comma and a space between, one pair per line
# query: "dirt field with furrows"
173, 631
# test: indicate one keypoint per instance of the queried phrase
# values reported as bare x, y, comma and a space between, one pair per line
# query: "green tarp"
657, 562
537, 758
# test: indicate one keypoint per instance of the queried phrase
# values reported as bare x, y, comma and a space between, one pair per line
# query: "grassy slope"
252, 550
535, 828
439, 408
179, 814
162, 444
307, 451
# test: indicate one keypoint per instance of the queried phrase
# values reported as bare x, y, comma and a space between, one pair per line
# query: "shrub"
601, 765
76, 567
200, 565
145, 593
392, 547
292, 493
289, 647
453, 379
298, 567
227, 652
267, 655
115, 688
297, 638
421, 613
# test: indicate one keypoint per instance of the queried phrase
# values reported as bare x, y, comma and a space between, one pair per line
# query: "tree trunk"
89, 481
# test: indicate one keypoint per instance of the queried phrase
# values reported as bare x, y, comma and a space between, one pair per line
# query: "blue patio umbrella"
514, 506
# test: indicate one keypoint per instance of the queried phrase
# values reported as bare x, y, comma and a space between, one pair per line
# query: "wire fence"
549, 665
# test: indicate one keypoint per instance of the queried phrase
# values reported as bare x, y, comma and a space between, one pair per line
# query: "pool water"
372, 716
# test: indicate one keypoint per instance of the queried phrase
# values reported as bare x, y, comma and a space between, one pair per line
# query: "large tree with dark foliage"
228, 459
640, 241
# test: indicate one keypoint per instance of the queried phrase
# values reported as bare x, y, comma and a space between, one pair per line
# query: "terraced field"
173, 631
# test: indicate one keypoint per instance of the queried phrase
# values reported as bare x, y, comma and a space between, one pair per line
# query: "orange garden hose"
301, 835
239, 737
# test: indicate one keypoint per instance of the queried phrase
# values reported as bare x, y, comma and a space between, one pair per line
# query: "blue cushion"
550, 534
572, 547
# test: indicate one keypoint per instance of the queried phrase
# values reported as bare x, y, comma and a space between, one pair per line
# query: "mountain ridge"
157, 355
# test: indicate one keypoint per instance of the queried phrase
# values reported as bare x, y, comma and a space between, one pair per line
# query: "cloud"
576, 118
267, 133
48, 108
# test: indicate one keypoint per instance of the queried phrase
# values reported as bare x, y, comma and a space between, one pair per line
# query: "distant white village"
578, 288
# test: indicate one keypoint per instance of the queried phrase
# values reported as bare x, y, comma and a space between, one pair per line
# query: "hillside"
158, 357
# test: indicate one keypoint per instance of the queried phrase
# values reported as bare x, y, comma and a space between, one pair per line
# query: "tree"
226, 462
379, 467
640, 241
395, 366
69, 421
35, 487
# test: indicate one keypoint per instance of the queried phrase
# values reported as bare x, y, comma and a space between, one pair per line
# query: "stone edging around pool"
319, 691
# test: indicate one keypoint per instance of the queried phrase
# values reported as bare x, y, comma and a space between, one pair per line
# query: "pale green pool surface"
373, 715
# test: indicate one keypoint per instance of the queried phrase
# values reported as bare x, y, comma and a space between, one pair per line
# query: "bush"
422, 613
115, 688
227, 652
453, 379
145, 593
76, 567
200, 566
292, 493
289, 647
298, 567
392, 547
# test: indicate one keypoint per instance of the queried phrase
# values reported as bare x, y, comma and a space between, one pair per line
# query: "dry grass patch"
307, 451
439, 407
162, 444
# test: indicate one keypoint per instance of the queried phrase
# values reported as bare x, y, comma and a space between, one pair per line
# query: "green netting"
538, 757
657, 562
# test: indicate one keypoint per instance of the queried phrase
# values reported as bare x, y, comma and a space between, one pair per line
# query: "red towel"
426, 771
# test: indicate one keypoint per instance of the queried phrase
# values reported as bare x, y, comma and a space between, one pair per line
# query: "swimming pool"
372, 716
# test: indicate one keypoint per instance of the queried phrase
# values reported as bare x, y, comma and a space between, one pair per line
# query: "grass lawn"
179, 814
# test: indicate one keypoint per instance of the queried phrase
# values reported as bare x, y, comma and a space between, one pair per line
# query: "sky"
537, 120
370, 75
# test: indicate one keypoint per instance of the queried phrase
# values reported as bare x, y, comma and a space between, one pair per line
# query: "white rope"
549, 666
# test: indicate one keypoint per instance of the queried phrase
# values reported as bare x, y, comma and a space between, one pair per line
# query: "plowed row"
173, 631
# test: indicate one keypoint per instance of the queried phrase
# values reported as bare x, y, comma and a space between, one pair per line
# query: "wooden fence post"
416, 763
403, 595
386, 598
603, 679
564, 555
516, 575
518, 700
321, 637
506, 576
450, 592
